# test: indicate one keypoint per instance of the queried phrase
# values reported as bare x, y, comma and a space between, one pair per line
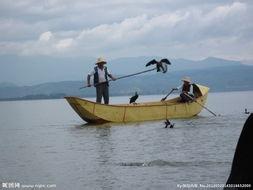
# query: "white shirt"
101, 74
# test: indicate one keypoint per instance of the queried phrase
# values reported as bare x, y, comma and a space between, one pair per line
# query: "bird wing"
151, 62
165, 61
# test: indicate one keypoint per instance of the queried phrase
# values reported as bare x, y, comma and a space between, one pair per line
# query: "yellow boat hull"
93, 112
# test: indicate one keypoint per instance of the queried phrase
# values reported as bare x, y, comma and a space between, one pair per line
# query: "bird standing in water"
246, 111
168, 123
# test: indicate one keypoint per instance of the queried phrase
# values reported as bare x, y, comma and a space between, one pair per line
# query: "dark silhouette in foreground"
168, 123
134, 98
242, 167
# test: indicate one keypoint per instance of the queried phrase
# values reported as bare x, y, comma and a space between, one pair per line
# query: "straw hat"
186, 79
101, 60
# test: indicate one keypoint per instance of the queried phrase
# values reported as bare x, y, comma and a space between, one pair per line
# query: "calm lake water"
45, 142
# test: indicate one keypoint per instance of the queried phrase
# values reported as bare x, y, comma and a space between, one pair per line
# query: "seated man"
186, 87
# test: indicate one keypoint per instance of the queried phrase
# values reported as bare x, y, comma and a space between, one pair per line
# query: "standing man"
100, 75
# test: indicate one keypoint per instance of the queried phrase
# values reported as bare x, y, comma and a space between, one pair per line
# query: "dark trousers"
186, 97
102, 91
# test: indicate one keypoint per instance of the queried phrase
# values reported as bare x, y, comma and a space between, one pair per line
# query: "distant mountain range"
31, 70
218, 74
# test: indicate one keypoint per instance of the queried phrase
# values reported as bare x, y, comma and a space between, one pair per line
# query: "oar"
200, 104
167, 94
130, 75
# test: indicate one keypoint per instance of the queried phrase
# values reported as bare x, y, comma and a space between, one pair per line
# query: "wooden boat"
93, 112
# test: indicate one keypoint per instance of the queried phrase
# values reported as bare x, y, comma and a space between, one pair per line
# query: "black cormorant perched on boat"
134, 98
160, 65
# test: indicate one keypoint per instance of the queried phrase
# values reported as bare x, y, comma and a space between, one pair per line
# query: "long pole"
200, 104
167, 95
123, 77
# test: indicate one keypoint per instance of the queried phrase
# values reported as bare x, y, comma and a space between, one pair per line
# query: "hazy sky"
176, 28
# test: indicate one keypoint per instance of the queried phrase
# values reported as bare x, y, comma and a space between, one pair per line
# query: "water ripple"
174, 163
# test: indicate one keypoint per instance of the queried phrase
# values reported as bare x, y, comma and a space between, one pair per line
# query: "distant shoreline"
61, 96
218, 79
